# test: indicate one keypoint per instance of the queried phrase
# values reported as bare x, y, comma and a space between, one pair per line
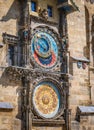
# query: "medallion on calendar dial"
44, 48
46, 99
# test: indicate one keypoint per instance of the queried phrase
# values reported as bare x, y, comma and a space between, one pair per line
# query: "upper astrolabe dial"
44, 49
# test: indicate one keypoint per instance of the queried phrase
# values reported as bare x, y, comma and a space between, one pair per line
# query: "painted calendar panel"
47, 99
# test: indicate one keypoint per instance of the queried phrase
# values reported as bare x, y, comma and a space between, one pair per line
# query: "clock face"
44, 48
46, 99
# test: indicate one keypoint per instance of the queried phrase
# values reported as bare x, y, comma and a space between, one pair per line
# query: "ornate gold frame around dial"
60, 89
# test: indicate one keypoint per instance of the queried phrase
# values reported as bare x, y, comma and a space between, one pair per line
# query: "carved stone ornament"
45, 48
7, 38
16, 73
43, 13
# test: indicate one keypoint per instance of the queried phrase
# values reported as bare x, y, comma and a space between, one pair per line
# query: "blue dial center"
42, 46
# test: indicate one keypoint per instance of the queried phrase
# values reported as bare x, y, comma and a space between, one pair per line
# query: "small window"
50, 11
33, 6
11, 55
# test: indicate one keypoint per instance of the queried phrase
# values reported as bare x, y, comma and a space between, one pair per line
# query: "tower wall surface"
79, 33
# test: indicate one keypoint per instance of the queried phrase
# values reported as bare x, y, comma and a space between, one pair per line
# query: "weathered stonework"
80, 38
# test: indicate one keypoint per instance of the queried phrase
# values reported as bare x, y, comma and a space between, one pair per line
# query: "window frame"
11, 55
51, 7
36, 3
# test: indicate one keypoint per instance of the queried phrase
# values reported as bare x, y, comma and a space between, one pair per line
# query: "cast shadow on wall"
71, 62
8, 82
92, 41
87, 47
13, 12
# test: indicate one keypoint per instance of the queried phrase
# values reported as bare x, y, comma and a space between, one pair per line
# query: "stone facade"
9, 91
79, 90
80, 32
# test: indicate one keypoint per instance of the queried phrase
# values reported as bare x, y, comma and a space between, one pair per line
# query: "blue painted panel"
33, 6
50, 13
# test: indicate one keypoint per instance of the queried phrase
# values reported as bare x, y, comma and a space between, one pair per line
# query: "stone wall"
9, 92
80, 46
86, 123
79, 90
9, 15
90, 8
82, 82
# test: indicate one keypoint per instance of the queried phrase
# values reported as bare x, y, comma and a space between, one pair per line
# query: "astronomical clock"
43, 66
47, 55
48, 99
45, 49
